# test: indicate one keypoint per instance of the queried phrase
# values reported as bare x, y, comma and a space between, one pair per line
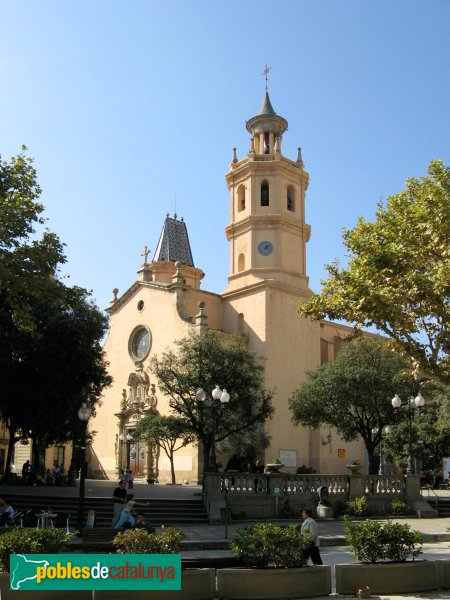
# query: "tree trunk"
172, 469
206, 452
373, 462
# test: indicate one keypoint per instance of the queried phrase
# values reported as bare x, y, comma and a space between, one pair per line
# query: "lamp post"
386, 430
127, 439
220, 399
84, 414
413, 403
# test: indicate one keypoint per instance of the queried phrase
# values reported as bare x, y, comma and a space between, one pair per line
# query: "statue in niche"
124, 401
152, 400
138, 383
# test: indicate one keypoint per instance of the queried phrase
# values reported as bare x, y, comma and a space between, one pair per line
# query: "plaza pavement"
436, 534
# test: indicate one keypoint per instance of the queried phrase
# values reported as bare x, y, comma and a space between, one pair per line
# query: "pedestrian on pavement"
25, 470
130, 480
311, 530
119, 500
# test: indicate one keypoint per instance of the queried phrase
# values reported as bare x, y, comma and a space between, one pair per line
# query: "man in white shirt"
310, 528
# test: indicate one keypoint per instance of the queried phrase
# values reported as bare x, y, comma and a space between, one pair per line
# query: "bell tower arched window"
241, 198
291, 198
264, 193
241, 262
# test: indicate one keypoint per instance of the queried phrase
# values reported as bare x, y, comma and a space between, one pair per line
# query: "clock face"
265, 248
140, 343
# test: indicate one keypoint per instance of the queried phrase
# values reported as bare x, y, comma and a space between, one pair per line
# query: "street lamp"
128, 439
386, 430
413, 403
220, 399
84, 414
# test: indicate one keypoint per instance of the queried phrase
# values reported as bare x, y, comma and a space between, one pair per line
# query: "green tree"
398, 275
248, 445
203, 361
47, 373
353, 393
28, 264
170, 433
427, 430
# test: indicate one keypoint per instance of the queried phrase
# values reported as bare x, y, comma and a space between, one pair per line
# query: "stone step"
159, 511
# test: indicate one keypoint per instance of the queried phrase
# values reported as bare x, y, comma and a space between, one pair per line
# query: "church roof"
266, 106
174, 243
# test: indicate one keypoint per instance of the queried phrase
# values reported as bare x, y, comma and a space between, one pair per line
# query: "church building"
268, 234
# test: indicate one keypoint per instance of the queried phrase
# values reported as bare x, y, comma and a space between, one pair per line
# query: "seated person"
125, 515
6, 513
141, 524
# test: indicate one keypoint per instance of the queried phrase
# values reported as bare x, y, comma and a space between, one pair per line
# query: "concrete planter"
272, 584
385, 578
198, 584
444, 574
7, 594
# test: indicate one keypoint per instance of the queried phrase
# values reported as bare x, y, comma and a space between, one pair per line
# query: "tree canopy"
428, 433
50, 354
28, 264
204, 361
398, 275
48, 372
353, 393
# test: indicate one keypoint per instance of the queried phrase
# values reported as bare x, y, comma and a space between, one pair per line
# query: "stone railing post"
356, 486
412, 486
275, 489
213, 497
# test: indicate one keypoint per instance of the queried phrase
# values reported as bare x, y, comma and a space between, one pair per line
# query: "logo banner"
95, 572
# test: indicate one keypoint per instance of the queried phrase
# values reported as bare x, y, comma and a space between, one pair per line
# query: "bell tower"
267, 232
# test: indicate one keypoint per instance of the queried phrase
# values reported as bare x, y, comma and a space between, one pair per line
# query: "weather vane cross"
266, 72
145, 254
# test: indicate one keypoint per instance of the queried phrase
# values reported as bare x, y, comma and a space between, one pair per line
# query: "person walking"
25, 471
311, 530
130, 480
119, 500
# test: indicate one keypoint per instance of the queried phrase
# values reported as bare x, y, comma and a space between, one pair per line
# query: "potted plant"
275, 566
196, 584
34, 541
354, 467
383, 549
274, 466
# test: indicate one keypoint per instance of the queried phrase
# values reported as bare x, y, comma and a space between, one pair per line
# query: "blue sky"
127, 105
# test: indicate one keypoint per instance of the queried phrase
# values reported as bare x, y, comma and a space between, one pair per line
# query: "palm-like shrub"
32, 541
140, 541
270, 546
373, 541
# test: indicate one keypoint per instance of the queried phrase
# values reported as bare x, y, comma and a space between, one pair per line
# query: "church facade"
268, 234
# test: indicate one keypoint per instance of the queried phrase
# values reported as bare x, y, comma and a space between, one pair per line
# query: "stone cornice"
262, 221
246, 167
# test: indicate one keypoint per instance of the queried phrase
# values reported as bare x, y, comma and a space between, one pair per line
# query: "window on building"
264, 194
291, 198
241, 262
240, 323
241, 198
